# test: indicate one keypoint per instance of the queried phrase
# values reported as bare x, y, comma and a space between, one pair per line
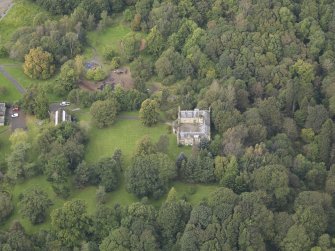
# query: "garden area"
124, 134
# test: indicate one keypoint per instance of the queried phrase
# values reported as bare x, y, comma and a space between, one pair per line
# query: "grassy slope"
16, 72
109, 37
12, 94
22, 14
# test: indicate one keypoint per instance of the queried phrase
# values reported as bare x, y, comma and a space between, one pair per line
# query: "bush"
108, 53
3, 52
3, 90
96, 74
115, 63
6, 205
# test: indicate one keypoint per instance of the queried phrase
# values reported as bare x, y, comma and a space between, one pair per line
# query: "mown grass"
11, 94
21, 14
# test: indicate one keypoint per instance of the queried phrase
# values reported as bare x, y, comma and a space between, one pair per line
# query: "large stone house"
192, 125
2, 113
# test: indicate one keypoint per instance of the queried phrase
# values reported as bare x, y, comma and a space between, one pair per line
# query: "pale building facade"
191, 126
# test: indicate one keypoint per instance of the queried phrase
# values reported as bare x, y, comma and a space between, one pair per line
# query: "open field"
11, 94
21, 14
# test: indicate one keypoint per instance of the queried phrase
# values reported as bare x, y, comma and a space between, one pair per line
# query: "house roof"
194, 129
2, 107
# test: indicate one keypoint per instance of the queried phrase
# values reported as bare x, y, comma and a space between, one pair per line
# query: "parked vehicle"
64, 103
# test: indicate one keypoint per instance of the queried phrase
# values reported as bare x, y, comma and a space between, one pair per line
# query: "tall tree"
149, 112
39, 64
34, 204
104, 112
71, 222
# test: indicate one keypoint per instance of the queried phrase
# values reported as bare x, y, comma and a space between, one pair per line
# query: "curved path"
12, 80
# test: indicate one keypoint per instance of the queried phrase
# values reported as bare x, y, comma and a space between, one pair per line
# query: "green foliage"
109, 172
6, 205
17, 162
149, 112
149, 175
38, 64
36, 102
145, 146
266, 70
108, 53
34, 204
104, 112
96, 74
129, 47
197, 169
71, 222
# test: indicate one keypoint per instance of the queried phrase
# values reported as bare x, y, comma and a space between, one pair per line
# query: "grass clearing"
17, 73
21, 14
11, 94
110, 37
124, 134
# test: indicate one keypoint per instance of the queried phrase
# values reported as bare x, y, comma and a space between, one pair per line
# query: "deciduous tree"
149, 112
39, 64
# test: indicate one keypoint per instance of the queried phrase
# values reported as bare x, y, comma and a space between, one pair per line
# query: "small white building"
2, 113
60, 116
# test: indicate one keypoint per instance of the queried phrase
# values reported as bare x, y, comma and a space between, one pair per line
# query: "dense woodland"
267, 70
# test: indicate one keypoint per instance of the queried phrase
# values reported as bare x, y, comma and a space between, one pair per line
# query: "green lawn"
109, 37
4, 142
17, 73
193, 193
21, 14
87, 194
11, 93
124, 134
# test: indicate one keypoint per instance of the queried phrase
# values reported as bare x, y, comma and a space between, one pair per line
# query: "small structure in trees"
192, 125
120, 71
2, 113
60, 116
